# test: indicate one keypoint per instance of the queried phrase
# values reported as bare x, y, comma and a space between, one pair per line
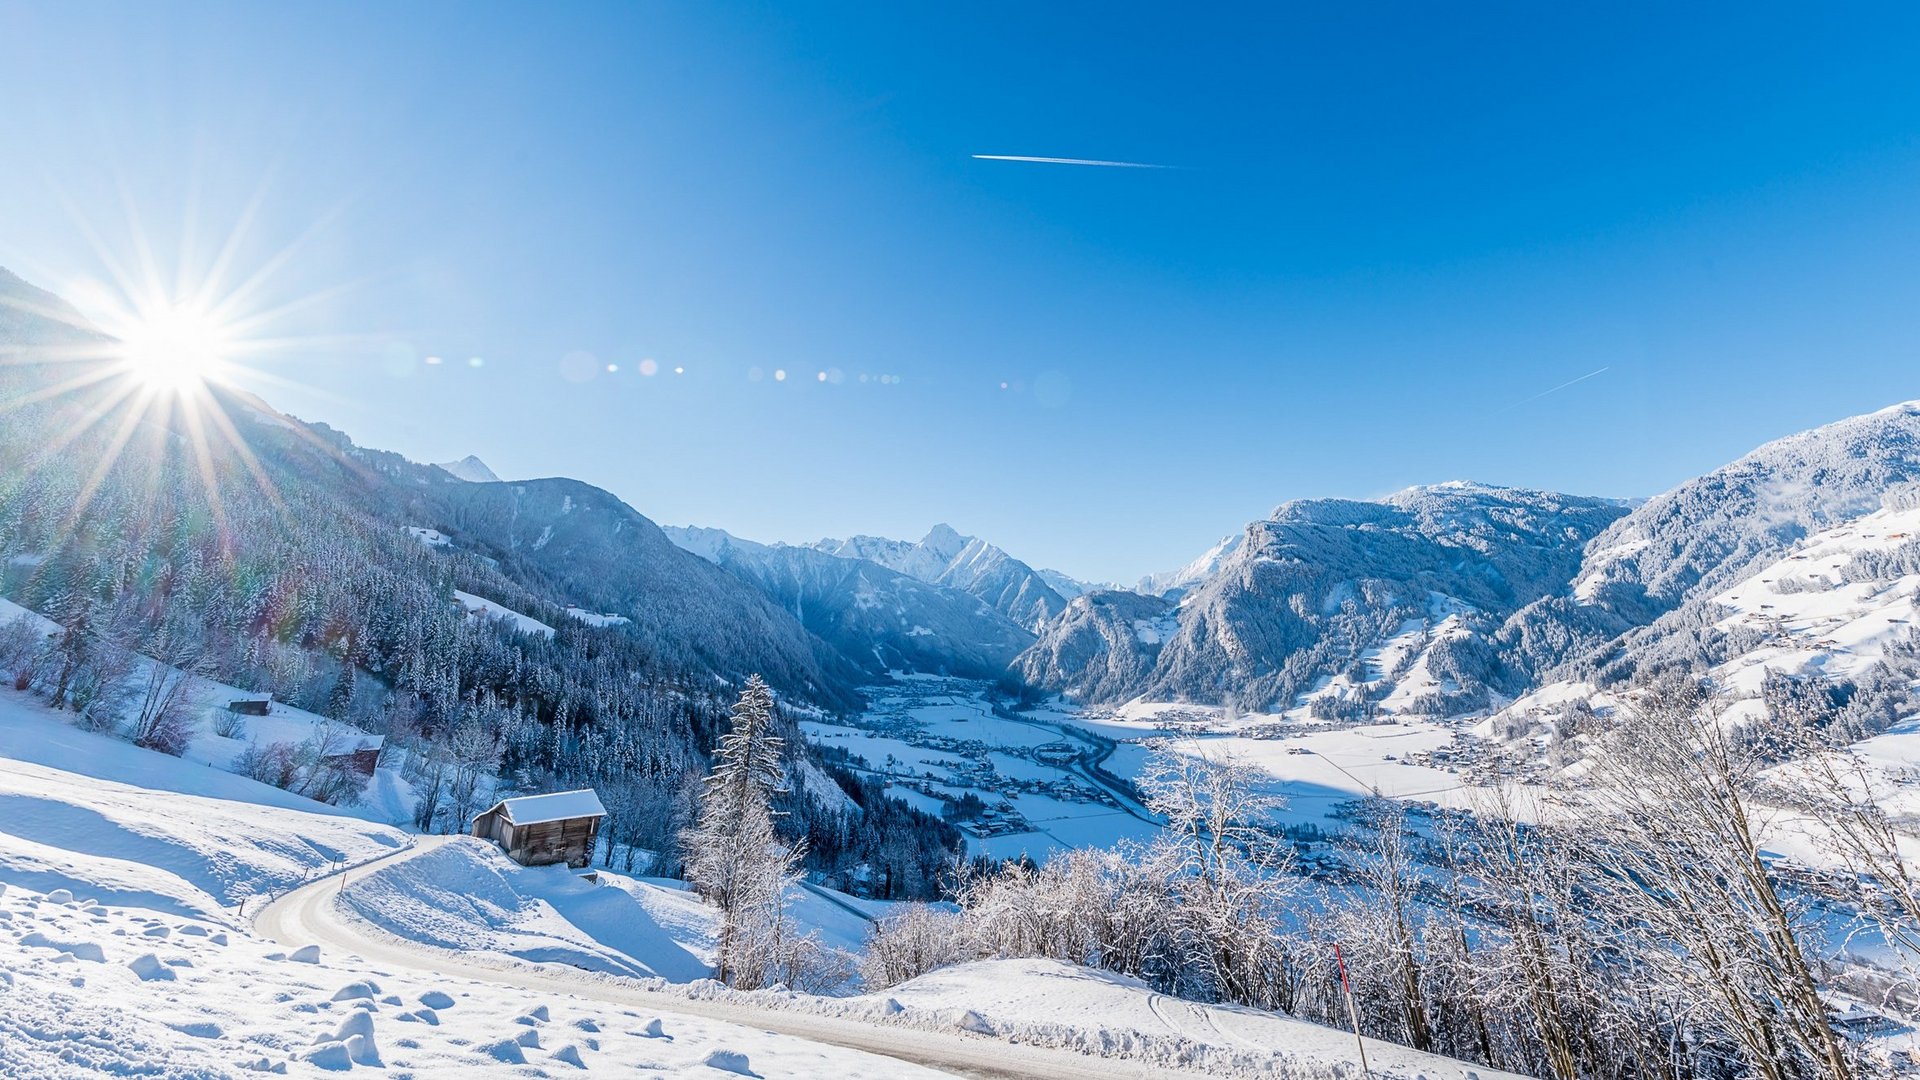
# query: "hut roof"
556, 806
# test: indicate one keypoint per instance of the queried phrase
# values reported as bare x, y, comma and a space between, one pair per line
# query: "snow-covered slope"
967, 563
1051, 1003
93, 814
481, 608
1647, 577
604, 556
1837, 615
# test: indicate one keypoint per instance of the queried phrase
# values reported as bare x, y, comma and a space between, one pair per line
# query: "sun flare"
175, 347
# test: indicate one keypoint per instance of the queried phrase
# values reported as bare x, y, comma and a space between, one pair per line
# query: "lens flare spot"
175, 348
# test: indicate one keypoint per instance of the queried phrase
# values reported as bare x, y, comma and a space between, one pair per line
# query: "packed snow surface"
90, 989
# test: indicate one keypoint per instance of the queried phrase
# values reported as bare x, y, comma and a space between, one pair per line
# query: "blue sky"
1390, 228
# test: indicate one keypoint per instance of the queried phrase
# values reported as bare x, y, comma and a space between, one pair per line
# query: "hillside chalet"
536, 830
358, 754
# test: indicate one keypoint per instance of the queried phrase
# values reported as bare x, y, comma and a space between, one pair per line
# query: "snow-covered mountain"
604, 556
1650, 591
1309, 592
470, 469
944, 557
879, 619
1103, 647
1174, 582
33, 319
1475, 594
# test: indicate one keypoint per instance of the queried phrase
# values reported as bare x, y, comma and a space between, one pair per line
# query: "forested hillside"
275, 556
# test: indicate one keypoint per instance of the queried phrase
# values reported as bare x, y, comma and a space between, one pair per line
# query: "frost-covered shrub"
276, 763
21, 646
915, 939
229, 724
810, 966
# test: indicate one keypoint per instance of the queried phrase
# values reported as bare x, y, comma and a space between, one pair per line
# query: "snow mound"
728, 1061
149, 968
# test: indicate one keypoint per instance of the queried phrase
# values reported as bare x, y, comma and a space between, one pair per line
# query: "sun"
175, 347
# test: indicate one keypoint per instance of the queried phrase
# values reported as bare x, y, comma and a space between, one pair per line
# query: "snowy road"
309, 915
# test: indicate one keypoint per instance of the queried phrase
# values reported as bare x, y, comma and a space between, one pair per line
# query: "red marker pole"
1353, 1011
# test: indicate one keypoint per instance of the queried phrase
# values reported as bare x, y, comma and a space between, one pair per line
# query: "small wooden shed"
359, 754
251, 706
536, 830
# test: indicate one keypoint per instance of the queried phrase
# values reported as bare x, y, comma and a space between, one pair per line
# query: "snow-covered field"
129, 946
935, 740
93, 814
90, 989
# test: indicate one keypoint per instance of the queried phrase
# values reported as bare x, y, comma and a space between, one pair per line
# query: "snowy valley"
872, 807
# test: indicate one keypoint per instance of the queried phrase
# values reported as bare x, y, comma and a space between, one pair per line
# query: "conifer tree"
734, 858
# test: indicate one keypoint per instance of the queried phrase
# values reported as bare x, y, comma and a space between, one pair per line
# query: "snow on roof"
354, 741
556, 806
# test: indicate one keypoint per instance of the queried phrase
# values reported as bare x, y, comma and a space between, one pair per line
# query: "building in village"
536, 830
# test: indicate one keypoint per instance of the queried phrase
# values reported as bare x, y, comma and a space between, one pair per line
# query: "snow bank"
1048, 1003
467, 897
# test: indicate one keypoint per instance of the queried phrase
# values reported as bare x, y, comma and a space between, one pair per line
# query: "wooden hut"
250, 706
536, 830
358, 754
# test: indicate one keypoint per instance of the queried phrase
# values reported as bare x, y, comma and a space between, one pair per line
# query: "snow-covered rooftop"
556, 806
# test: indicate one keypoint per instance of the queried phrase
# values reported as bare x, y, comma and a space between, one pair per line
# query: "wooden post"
1353, 1011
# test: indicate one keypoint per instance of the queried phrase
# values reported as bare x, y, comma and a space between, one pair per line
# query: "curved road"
308, 916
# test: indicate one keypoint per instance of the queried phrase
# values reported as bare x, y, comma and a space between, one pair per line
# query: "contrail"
1069, 161
1557, 389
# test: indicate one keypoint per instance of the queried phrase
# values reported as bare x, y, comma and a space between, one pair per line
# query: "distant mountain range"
1446, 599
879, 618
969, 564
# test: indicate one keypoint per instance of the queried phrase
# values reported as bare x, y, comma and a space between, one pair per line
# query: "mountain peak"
470, 469
944, 538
